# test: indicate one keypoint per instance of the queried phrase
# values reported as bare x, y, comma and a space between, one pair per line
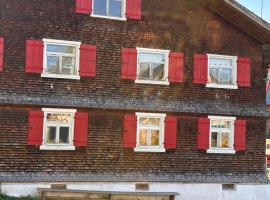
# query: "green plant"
5, 197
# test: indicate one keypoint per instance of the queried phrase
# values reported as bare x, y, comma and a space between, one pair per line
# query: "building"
165, 94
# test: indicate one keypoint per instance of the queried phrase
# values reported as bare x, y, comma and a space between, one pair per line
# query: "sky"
255, 6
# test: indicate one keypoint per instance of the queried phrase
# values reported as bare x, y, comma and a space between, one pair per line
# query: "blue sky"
255, 6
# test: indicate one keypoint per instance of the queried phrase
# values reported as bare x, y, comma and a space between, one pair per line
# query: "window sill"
60, 76
221, 151
108, 17
153, 150
152, 82
210, 85
58, 148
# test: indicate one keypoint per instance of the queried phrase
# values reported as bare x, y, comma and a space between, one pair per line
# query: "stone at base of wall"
187, 191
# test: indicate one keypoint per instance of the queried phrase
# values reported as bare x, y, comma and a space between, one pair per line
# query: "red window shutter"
130, 131
240, 135
133, 9
81, 129
35, 127
170, 132
84, 6
243, 72
34, 56
268, 161
129, 64
200, 68
176, 67
203, 133
1, 54
88, 60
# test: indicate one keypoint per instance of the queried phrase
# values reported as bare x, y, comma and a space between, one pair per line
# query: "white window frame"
229, 150
70, 146
166, 66
123, 18
159, 148
62, 43
234, 72
267, 150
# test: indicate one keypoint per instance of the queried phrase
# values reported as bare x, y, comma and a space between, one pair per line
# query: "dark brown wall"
104, 153
183, 26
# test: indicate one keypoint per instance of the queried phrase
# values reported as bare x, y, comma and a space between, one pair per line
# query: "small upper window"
152, 66
222, 71
109, 8
150, 132
61, 59
268, 146
58, 128
221, 134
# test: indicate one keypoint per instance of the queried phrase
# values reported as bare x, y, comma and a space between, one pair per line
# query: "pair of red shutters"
34, 58
36, 118
133, 8
1, 53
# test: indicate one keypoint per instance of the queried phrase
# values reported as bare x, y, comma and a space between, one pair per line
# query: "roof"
241, 17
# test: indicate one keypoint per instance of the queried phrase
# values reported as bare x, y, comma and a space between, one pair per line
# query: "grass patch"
5, 197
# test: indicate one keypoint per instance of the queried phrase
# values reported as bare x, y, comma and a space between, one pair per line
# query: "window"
221, 134
150, 132
58, 129
109, 8
268, 173
61, 59
222, 71
268, 146
152, 66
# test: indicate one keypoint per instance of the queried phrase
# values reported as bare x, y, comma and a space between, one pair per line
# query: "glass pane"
154, 137
214, 136
115, 8
220, 62
64, 135
226, 76
50, 135
144, 71
60, 49
268, 146
220, 124
213, 75
158, 71
68, 65
59, 117
149, 121
52, 64
152, 57
143, 137
225, 140
100, 7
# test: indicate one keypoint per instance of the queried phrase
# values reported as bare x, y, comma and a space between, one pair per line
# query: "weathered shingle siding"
181, 26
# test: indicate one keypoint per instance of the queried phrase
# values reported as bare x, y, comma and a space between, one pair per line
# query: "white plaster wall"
189, 191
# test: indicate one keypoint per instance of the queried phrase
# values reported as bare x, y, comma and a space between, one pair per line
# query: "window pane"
143, 137
226, 76
64, 135
154, 137
220, 124
220, 62
149, 121
214, 136
152, 57
50, 135
213, 75
60, 49
100, 7
158, 71
144, 71
115, 8
225, 140
59, 117
68, 65
52, 64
